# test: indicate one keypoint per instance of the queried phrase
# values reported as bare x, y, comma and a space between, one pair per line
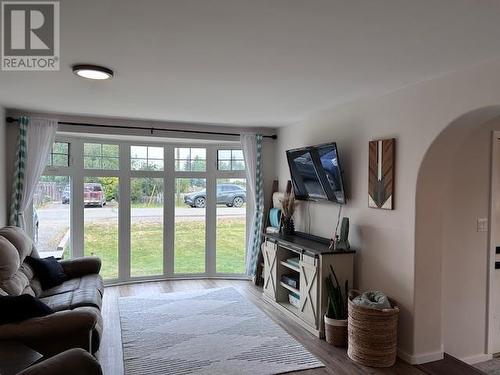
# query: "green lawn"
146, 245
101, 239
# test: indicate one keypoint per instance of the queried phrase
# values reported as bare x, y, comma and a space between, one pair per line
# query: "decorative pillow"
17, 308
48, 270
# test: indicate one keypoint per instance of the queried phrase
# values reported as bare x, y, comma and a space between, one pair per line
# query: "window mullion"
124, 212
77, 209
211, 211
169, 212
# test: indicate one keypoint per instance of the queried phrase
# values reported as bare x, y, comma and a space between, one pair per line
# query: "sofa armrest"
73, 361
79, 267
55, 333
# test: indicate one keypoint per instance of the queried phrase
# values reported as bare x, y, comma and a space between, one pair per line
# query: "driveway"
60, 212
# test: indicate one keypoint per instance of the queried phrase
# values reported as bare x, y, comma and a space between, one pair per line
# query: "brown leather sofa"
77, 321
72, 361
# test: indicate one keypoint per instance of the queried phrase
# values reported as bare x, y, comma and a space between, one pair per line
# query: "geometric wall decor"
381, 161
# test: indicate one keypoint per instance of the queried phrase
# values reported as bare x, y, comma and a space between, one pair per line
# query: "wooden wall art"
381, 173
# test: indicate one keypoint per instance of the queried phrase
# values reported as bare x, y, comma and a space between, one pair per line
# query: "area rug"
211, 331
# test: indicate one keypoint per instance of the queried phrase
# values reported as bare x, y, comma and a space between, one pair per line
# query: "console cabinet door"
309, 292
270, 269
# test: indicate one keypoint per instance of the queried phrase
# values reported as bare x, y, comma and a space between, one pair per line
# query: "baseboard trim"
473, 359
417, 359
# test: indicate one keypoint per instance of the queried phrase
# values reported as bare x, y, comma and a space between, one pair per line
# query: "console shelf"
290, 288
290, 266
315, 258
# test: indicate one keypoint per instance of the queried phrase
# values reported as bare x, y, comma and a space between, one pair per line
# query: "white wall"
383, 239
3, 173
392, 255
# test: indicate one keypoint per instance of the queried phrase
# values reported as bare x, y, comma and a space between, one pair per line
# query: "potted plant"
336, 312
287, 210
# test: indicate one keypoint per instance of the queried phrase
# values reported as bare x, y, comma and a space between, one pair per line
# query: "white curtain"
40, 135
249, 146
252, 150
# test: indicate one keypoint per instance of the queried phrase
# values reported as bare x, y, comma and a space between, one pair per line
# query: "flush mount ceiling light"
92, 72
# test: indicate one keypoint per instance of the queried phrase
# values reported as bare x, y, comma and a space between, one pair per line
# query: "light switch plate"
482, 224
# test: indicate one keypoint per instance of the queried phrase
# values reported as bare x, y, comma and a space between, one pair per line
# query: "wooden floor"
449, 365
335, 359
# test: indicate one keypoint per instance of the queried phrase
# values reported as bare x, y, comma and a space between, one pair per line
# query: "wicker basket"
372, 334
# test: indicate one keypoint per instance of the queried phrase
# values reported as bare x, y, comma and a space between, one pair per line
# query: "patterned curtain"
35, 140
252, 151
18, 184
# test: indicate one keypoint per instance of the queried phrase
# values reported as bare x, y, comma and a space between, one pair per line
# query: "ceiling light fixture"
93, 72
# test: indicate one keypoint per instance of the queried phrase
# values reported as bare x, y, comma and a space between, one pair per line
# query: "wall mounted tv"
316, 173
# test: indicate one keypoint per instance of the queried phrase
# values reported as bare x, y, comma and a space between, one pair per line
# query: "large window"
190, 225
51, 214
230, 160
148, 210
231, 225
101, 156
146, 226
59, 155
190, 159
101, 215
144, 158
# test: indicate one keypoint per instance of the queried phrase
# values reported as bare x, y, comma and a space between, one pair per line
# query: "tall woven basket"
372, 334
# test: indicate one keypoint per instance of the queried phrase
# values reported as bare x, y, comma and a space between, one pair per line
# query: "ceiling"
251, 62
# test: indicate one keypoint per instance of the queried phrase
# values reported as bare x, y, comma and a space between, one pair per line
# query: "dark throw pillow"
48, 270
17, 308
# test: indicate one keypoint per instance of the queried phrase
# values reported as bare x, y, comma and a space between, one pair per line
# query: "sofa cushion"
9, 259
15, 275
67, 286
57, 332
92, 282
98, 328
85, 282
74, 299
19, 308
48, 271
74, 361
20, 240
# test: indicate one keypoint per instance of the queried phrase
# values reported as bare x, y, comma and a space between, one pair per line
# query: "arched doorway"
452, 258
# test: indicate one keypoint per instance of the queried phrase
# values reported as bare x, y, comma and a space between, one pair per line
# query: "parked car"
93, 195
229, 194
66, 194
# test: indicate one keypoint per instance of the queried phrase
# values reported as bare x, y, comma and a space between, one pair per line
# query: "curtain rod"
152, 129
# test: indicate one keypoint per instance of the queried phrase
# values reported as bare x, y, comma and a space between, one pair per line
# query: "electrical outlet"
482, 224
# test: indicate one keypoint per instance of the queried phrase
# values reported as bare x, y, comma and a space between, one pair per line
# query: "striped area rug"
211, 331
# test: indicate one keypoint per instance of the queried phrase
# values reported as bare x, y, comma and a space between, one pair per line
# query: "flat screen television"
316, 173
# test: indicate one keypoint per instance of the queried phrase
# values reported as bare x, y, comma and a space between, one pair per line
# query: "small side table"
15, 357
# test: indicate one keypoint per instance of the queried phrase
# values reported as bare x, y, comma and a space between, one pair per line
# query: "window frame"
77, 174
101, 157
147, 145
231, 160
52, 153
190, 160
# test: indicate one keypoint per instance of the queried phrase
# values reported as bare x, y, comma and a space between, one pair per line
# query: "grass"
230, 235
189, 247
101, 239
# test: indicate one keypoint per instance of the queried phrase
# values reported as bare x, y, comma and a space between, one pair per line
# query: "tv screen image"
316, 173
